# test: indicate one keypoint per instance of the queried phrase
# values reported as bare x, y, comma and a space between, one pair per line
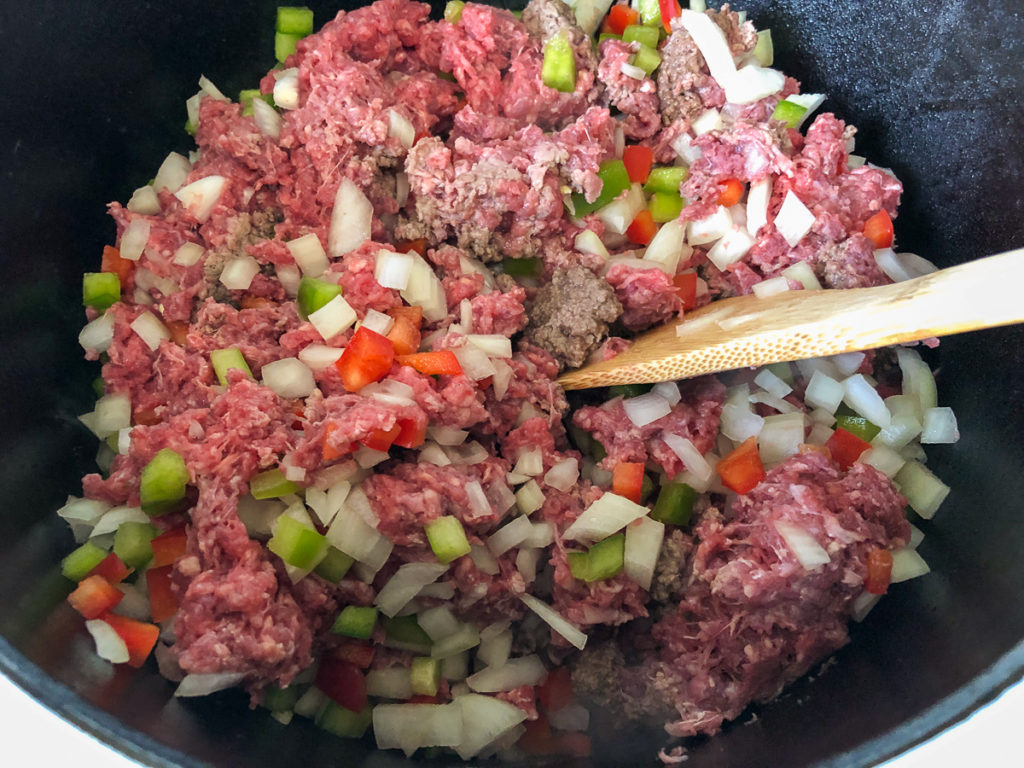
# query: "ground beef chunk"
850, 264
637, 99
570, 315
648, 296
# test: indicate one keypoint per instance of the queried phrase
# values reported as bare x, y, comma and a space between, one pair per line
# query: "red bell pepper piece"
112, 262
138, 636
845, 447
329, 452
555, 690
343, 682
742, 469
732, 192
621, 16
669, 10
686, 288
628, 480
168, 547
643, 229
381, 439
94, 596
433, 363
879, 571
162, 601
878, 229
366, 359
419, 245
413, 433
111, 568
354, 652
638, 160
405, 333
179, 329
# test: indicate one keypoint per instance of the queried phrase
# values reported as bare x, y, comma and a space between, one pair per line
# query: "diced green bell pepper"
525, 267
246, 97
296, 543
558, 70
77, 565
665, 206
271, 484
294, 20
789, 112
675, 504
224, 360
284, 45
313, 294
615, 181
666, 178
647, 58
857, 425
606, 36
602, 561
334, 566
100, 289
280, 699
453, 11
131, 543
641, 33
646, 488
356, 621
650, 12
629, 390
343, 722
447, 538
405, 629
425, 674
98, 387
163, 481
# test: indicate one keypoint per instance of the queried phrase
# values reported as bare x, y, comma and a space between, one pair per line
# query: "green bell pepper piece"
224, 360
675, 504
163, 481
355, 621
271, 484
313, 294
558, 70
100, 289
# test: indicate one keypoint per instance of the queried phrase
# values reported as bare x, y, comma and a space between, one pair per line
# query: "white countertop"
992, 737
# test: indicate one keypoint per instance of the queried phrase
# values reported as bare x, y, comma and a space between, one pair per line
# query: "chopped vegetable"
297, 544
343, 682
425, 675
669, 9
314, 294
356, 621
139, 637
642, 549
558, 70
602, 561
666, 179
163, 482
367, 358
94, 596
665, 206
879, 571
343, 722
619, 18
294, 20
453, 11
645, 35
856, 425
628, 480
732, 192
742, 469
100, 289
845, 447
334, 566
638, 160
643, 229
878, 229
132, 543
439, 363
230, 359
675, 504
686, 288
111, 568
447, 538
614, 179
163, 603
168, 546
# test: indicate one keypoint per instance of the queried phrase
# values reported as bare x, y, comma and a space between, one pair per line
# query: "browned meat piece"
850, 264
571, 314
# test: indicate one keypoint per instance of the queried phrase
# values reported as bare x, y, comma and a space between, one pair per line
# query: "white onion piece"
526, 563
495, 645
188, 254
290, 277
238, 273
483, 559
731, 247
392, 270
475, 362
540, 535
333, 317
884, 459
668, 390
400, 128
468, 454
268, 119
556, 621
479, 506
357, 538
619, 214
134, 239
432, 453
907, 564
411, 726
824, 392
757, 205
485, 719
862, 605
771, 287
378, 322
203, 685
525, 670
632, 71
201, 196
408, 580
172, 173
84, 511
668, 247
351, 219
823, 364
809, 101
780, 405
319, 357
848, 363
367, 457
707, 121
509, 535
692, 458
713, 45
309, 254
503, 375
443, 435
109, 645
530, 497
389, 683
646, 408
739, 423
206, 86
467, 637
494, 344
390, 391
286, 89
916, 537
438, 622
144, 201
563, 474
609, 514
780, 437
862, 398
113, 518
802, 273
819, 434
587, 241
643, 545
918, 379
150, 330
769, 382
97, 334
793, 220
289, 377
751, 83
808, 552
900, 267
939, 426
425, 290
112, 413
687, 151
924, 491
455, 668
710, 228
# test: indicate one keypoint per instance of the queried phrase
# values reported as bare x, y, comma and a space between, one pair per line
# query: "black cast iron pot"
93, 100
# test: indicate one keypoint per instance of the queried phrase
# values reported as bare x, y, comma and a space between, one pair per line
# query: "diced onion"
319, 357
352, 534
97, 334
862, 605
83, 511
443, 435
530, 497
771, 383
668, 390
824, 392
632, 71
286, 89
710, 228
309, 254
109, 645
707, 121
771, 287
587, 241
378, 322
939, 426
739, 423
643, 545
668, 246
432, 453
425, 290
467, 637
333, 317
526, 563
503, 375
201, 196
479, 506
690, 456
412, 726
757, 205
205, 684
268, 119
751, 83
290, 277
916, 536
780, 437
408, 580
367, 457
731, 247
144, 201
392, 270
808, 552
554, 620
793, 220
351, 219
389, 683
802, 273
400, 128
115, 516
112, 413
150, 330
172, 173
848, 363
188, 254
809, 101
510, 535
609, 514
494, 344
134, 239
900, 267
884, 459
483, 559
712, 43
619, 214
495, 644
563, 474
924, 491
475, 362
485, 720
918, 379
468, 454
907, 564
862, 398
238, 273
206, 86
646, 408
438, 622
525, 670
289, 377
687, 151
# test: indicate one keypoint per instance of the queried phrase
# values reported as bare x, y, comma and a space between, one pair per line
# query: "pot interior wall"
95, 100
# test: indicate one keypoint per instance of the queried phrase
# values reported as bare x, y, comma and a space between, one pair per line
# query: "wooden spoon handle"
796, 325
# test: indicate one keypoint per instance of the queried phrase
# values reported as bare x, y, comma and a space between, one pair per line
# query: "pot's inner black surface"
94, 102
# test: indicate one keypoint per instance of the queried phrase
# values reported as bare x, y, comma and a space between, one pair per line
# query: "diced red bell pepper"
413, 432
343, 682
742, 469
139, 636
381, 439
355, 652
94, 596
329, 452
255, 302
845, 447
686, 288
879, 571
628, 480
669, 10
162, 601
621, 16
555, 690
366, 359
405, 333
537, 739
878, 229
112, 262
439, 363
168, 547
145, 416
638, 160
111, 568
419, 245
643, 229
179, 330
732, 192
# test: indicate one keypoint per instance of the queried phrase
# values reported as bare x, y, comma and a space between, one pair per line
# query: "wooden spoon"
795, 325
